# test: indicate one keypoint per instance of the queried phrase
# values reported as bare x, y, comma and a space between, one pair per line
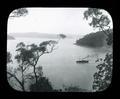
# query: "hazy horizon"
52, 21
39, 33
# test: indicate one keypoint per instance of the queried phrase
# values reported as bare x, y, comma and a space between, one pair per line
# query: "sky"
52, 20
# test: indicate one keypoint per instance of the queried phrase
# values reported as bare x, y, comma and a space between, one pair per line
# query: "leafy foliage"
43, 85
98, 19
110, 38
27, 58
9, 57
62, 36
103, 76
19, 12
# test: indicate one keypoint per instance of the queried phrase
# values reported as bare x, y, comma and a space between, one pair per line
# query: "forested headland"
97, 39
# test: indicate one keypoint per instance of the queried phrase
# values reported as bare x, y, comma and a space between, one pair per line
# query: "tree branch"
14, 76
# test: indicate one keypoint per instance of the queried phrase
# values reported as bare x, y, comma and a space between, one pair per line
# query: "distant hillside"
33, 35
40, 35
97, 39
10, 37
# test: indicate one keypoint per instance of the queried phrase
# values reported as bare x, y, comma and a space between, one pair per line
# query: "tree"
21, 68
100, 21
37, 51
102, 77
12, 73
19, 12
62, 36
43, 85
9, 57
27, 57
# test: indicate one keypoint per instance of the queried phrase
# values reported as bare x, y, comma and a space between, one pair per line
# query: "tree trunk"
23, 88
35, 74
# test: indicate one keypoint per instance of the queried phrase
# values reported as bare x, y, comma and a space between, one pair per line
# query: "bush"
43, 85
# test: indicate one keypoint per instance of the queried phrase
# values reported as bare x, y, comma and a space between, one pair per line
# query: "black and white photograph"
59, 49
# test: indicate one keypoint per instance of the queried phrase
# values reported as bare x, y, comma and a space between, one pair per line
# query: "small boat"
82, 61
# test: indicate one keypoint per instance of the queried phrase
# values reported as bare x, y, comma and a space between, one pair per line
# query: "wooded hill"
97, 39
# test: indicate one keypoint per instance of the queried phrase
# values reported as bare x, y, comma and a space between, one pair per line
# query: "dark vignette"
5, 89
